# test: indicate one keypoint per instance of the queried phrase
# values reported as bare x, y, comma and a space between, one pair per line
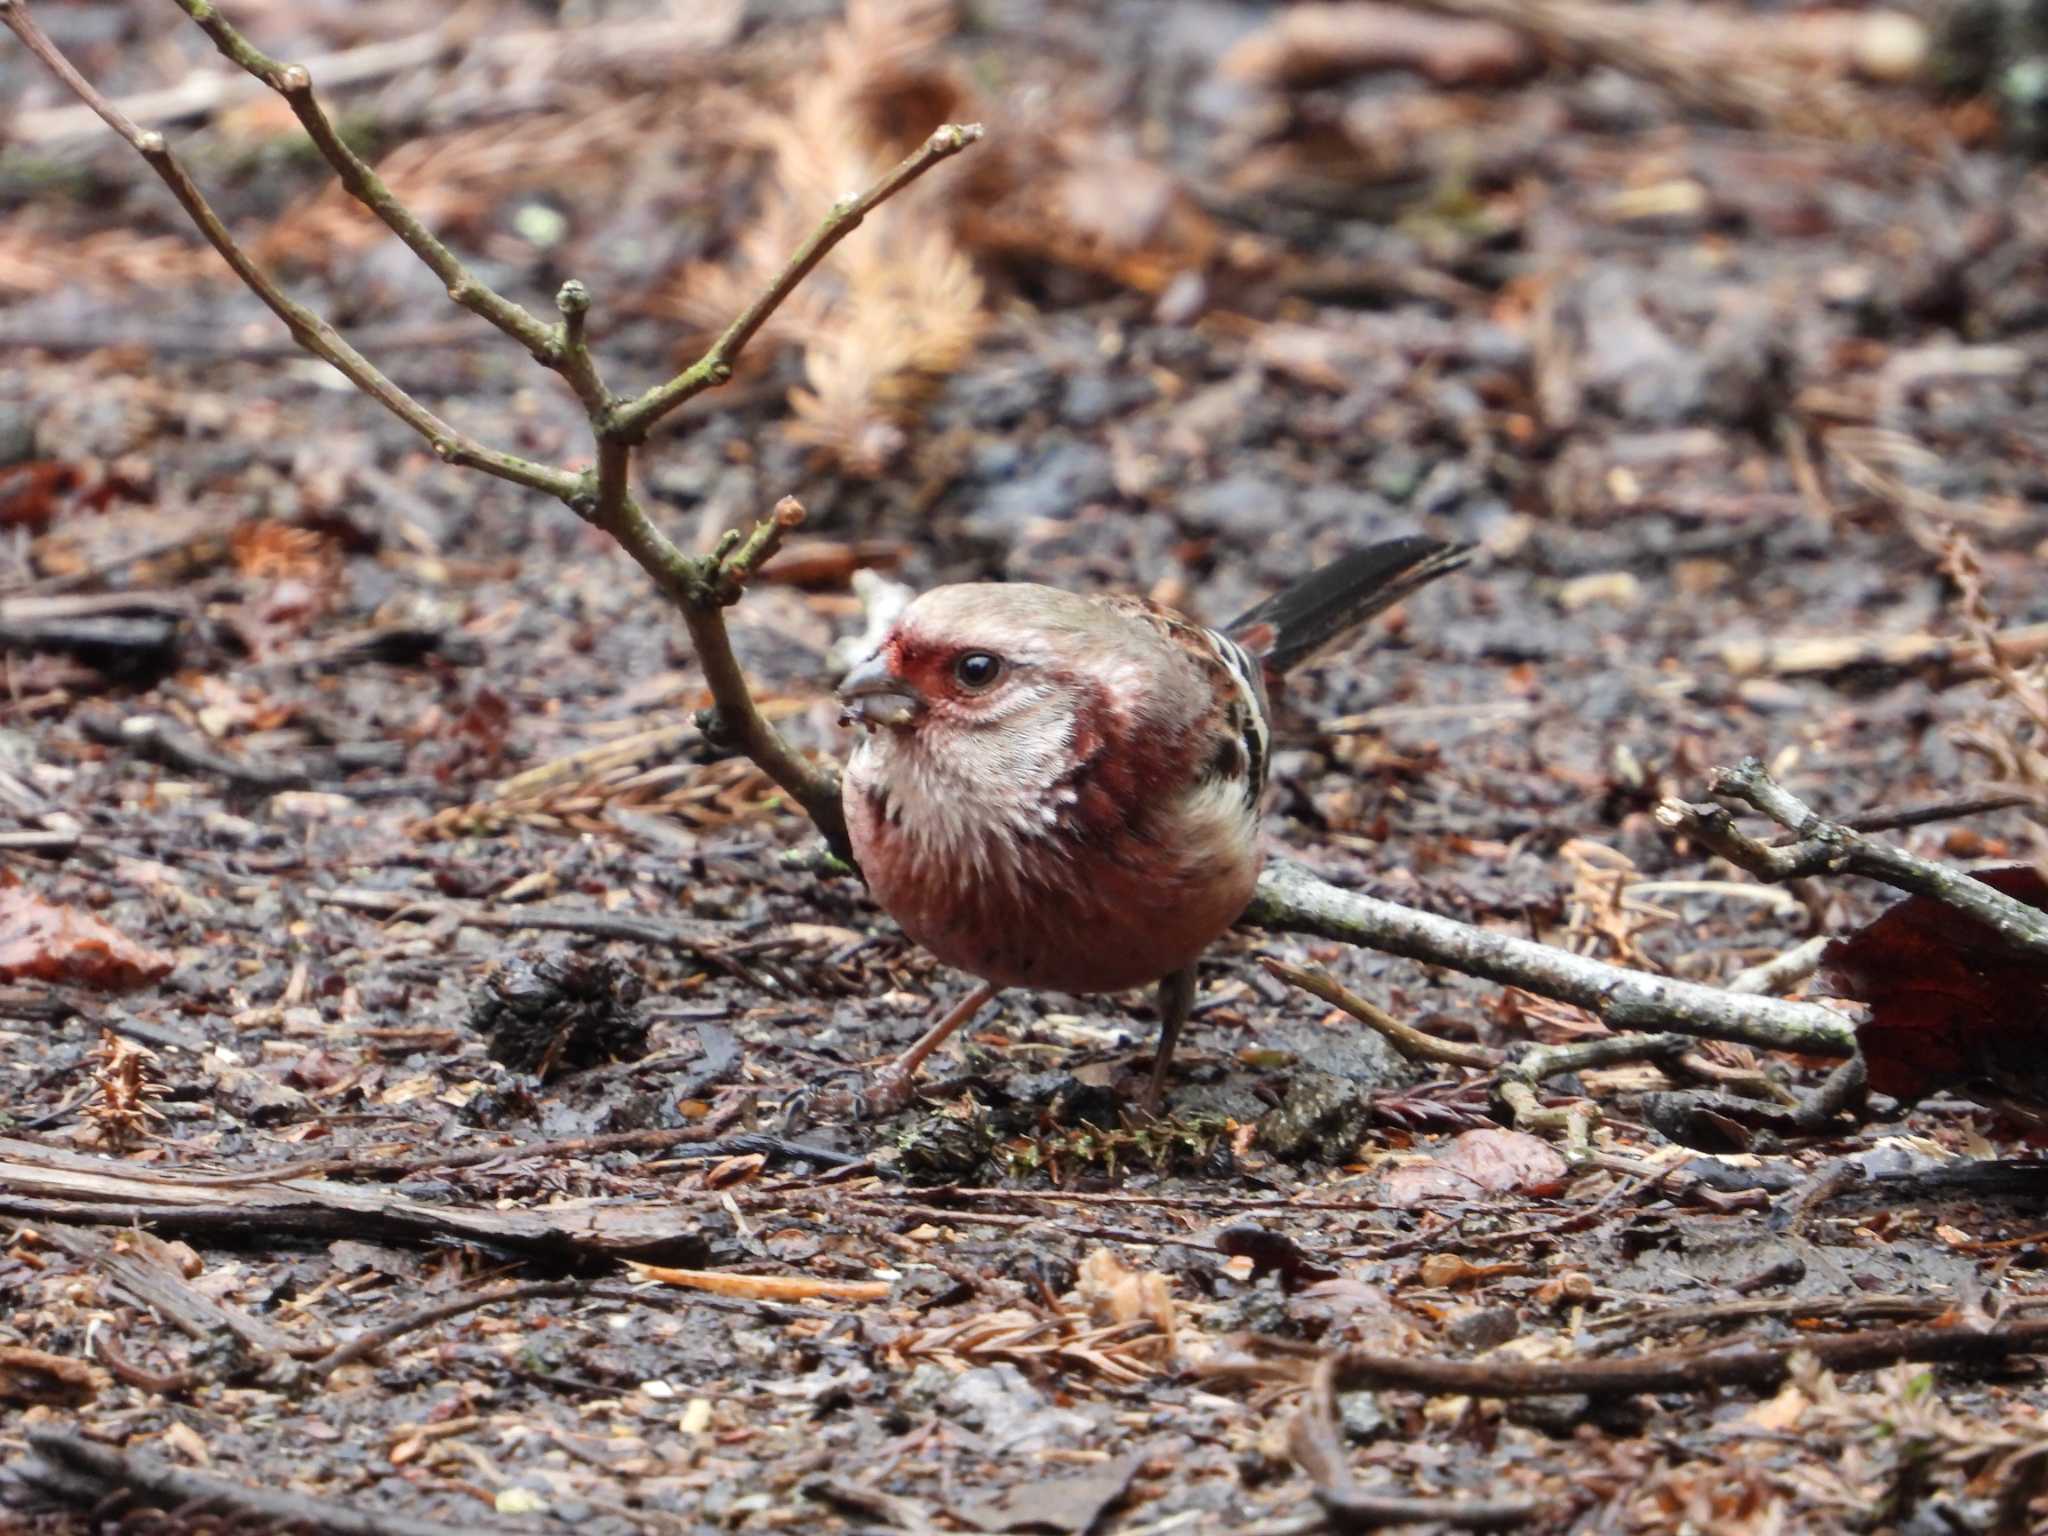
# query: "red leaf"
41, 941
1950, 1006
31, 494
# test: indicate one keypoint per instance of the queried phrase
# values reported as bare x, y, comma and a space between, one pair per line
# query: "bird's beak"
874, 695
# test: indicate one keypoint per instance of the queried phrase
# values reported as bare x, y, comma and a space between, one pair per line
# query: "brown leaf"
31, 1376
1950, 1005
32, 494
1064, 1505
41, 941
1115, 1293
1484, 1162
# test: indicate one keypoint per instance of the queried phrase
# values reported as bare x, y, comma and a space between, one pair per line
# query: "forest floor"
356, 756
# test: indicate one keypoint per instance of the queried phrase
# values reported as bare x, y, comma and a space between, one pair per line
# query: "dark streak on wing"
1245, 715
1327, 605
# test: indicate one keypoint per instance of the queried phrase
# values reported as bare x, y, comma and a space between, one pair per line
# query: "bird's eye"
976, 670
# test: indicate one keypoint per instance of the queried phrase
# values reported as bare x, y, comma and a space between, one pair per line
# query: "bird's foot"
888, 1092
859, 1097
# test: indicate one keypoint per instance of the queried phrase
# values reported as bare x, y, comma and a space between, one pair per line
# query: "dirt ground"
380, 772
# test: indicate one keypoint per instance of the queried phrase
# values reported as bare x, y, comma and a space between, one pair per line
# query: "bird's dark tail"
1326, 606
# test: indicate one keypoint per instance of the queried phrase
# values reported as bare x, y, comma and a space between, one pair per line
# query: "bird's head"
978, 659
994, 711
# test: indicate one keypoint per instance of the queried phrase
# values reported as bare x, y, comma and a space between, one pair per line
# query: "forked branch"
702, 587
1829, 847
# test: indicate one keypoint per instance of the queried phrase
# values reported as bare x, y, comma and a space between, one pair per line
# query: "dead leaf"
41, 941
1114, 1293
1781, 1414
32, 494
1066, 1505
1950, 1005
1483, 1162
185, 1440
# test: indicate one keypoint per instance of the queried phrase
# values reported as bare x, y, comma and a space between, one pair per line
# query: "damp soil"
470, 964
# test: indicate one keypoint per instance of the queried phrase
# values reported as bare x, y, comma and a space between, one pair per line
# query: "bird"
1062, 791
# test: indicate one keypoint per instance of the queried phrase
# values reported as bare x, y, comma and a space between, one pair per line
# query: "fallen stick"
88, 1472
1761, 1366
1291, 900
718, 1282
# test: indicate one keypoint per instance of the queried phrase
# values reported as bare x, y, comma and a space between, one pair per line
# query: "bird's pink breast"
1058, 913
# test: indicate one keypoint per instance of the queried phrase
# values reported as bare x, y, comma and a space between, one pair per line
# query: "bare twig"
371, 1340
1780, 971
733, 720
1411, 1042
308, 329
295, 85
1947, 810
1290, 900
602, 495
715, 366
1313, 1441
85, 1471
1828, 847
1525, 1072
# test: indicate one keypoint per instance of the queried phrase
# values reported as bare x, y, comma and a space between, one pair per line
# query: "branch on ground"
1291, 900
1316, 1445
1764, 1365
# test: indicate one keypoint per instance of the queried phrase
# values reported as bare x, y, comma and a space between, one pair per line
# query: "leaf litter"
306, 736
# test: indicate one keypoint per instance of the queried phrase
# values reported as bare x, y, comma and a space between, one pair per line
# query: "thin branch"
1827, 847
571, 347
295, 85
1317, 1448
372, 1340
632, 420
734, 720
84, 1471
1291, 900
1412, 1043
1780, 972
308, 329
602, 495
1947, 810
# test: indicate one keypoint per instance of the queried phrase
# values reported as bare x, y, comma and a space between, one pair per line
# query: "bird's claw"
888, 1092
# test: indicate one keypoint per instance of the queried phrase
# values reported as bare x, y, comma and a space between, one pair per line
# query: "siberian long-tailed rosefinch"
1063, 792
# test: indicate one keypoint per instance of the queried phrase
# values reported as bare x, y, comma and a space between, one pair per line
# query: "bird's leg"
890, 1090
1176, 998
